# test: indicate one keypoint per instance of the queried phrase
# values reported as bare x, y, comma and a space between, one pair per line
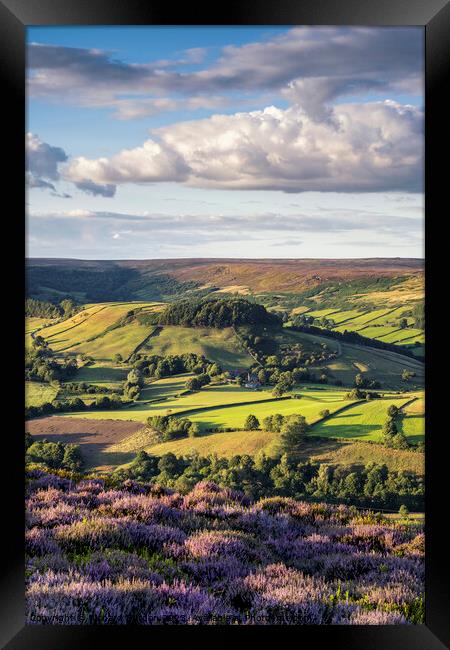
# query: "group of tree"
53, 455
174, 364
197, 382
371, 486
357, 393
392, 436
44, 309
171, 427
83, 387
282, 373
133, 384
102, 403
218, 313
365, 382
40, 364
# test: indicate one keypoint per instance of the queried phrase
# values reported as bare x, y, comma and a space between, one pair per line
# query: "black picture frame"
15, 16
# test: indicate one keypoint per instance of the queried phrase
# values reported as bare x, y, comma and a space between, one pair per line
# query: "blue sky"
261, 141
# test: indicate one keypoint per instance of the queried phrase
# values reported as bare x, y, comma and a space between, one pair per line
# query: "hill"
155, 279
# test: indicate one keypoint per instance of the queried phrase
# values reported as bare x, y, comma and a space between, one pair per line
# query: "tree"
251, 423
293, 430
192, 384
393, 411
72, 459
403, 323
118, 358
403, 510
135, 377
360, 382
325, 413
194, 430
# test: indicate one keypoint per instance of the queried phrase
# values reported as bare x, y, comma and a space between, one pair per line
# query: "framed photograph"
227, 220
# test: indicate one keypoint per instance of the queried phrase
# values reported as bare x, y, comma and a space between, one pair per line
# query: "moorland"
225, 441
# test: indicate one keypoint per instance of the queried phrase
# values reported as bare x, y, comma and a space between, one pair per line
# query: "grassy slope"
102, 375
381, 365
338, 452
89, 323
363, 421
37, 393
218, 345
123, 340
309, 405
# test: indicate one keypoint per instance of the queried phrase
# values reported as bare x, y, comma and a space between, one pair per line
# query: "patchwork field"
86, 331
381, 365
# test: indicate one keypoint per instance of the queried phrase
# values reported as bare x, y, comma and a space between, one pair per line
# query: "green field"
102, 374
37, 393
413, 427
381, 365
401, 336
219, 345
123, 340
310, 404
378, 331
383, 324
84, 331
363, 421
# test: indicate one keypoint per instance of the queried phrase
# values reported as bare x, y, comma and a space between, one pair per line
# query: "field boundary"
225, 406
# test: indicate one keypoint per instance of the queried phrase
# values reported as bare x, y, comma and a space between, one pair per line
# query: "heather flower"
142, 554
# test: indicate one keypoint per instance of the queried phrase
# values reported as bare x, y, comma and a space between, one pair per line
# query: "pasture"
81, 333
310, 405
220, 345
37, 393
364, 421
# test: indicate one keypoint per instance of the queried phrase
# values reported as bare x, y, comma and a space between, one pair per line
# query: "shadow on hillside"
314, 446
101, 375
95, 454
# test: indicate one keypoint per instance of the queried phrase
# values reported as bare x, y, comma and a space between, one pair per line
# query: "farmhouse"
252, 382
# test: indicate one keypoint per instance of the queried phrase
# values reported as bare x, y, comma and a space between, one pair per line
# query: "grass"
123, 340
413, 426
37, 393
332, 452
220, 345
378, 331
309, 405
87, 324
408, 334
34, 323
223, 444
101, 374
362, 421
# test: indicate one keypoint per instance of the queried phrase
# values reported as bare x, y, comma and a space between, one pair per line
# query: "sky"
247, 142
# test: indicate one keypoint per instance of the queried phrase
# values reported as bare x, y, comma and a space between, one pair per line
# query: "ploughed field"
139, 554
